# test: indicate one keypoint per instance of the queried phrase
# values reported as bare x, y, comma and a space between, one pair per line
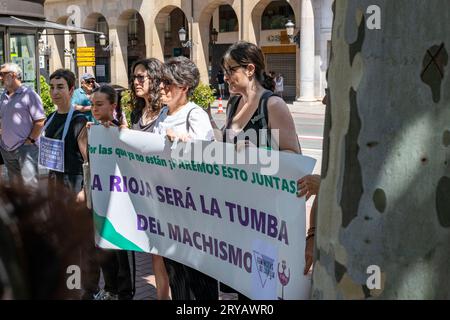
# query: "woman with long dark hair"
254, 107
146, 77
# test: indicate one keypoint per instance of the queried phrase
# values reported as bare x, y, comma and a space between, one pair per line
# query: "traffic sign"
86, 59
85, 54
85, 49
86, 64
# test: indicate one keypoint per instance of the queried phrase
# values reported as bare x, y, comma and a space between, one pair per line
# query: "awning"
11, 21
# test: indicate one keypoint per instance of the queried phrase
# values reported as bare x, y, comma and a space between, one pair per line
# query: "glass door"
23, 52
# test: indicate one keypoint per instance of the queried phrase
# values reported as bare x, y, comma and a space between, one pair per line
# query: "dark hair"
112, 97
38, 243
183, 72
245, 53
154, 69
66, 74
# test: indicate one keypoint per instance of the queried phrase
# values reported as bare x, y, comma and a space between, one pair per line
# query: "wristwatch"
31, 140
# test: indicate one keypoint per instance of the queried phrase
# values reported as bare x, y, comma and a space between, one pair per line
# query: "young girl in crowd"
114, 263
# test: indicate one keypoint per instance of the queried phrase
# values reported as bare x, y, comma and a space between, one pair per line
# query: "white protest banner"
232, 222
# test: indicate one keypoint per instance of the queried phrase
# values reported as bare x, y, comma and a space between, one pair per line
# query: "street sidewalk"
315, 108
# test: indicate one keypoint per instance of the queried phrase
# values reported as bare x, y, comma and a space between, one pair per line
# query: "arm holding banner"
309, 185
82, 145
310, 236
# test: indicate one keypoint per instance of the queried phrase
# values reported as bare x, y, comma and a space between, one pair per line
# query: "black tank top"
256, 129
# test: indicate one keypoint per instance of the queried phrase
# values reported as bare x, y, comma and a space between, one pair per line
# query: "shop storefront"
20, 32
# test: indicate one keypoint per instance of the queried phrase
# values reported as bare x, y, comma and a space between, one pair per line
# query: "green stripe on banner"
109, 233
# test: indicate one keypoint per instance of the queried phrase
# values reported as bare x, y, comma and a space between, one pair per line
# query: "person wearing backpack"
254, 106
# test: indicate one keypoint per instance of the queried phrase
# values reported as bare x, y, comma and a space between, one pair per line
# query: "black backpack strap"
232, 105
262, 115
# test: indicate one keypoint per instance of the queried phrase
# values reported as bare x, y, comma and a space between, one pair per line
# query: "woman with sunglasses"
183, 120
147, 104
254, 106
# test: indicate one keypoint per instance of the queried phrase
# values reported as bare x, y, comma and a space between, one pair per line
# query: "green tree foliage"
203, 95
49, 107
125, 102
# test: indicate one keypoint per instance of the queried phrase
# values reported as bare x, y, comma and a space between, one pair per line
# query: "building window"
132, 26
276, 15
23, 53
102, 70
101, 26
228, 21
2, 50
168, 28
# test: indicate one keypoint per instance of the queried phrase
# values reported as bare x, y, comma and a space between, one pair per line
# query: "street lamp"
290, 28
72, 43
71, 51
102, 41
214, 35
182, 35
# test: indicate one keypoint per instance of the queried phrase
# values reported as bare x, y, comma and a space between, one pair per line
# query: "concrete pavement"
316, 108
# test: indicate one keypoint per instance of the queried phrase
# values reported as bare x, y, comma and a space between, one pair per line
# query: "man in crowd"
22, 117
82, 96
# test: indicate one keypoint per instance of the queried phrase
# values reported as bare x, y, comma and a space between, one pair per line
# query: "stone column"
199, 50
307, 52
119, 42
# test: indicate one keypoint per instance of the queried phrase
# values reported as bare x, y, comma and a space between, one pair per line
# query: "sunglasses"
231, 70
139, 78
2, 74
90, 81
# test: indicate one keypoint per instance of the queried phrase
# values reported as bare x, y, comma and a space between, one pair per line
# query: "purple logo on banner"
264, 267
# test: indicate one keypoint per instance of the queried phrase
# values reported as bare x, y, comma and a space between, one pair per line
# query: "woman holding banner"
146, 102
183, 120
62, 150
254, 106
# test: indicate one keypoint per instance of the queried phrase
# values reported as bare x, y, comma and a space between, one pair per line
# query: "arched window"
102, 25
276, 15
228, 21
133, 26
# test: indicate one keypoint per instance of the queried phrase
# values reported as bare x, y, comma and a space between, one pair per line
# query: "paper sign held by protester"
234, 222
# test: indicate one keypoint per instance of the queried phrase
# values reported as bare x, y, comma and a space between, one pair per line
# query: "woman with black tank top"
253, 105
